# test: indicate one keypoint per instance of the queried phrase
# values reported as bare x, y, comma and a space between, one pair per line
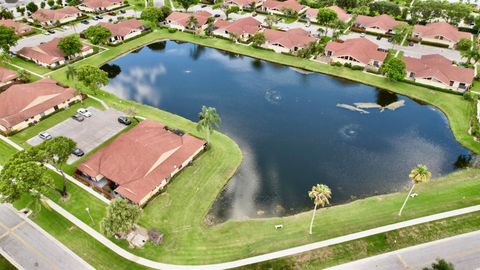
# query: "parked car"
99, 17
85, 21
124, 120
95, 18
78, 152
112, 13
411, 43
84, 112
123, 11
390, 40
216, 15
45, 136
50, 31
203, 6
379, 37
254, 14
362, 35
78, 117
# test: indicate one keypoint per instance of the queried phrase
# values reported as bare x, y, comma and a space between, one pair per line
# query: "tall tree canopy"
120, 218
394, 69
92, 77
70, 45
97, 34
8, 38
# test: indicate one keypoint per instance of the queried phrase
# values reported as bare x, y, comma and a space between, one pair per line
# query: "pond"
289, 126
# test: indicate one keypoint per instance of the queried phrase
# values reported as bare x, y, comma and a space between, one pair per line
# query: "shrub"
357, 67
337, 64
468, 96
172, 30
347, 65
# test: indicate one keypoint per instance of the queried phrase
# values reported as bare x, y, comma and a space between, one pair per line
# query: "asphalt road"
27, 246
462, 250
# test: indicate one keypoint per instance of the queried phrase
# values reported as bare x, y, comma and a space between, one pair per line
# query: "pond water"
289, 127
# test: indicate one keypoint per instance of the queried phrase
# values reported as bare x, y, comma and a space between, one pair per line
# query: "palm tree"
5, 58
71, 74
320, 194
192, 23
209, 120
23, 75
418, 175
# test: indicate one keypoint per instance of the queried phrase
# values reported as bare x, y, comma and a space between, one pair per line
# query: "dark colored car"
203, 6
124, 120
112, 13
410, 43
78, 117
123, 11
85, 21
51, 31
390, 40
99, 17
78, 152
216, 15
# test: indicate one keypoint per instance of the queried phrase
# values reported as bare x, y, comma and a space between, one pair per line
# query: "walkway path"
27, 246
461, 250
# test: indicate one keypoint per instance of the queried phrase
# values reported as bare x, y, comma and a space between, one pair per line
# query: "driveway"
76, 29
27, 246
90, 133
463, 251
417, 50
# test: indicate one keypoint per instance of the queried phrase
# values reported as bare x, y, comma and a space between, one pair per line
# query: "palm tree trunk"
64, 188
208, 135
313, 217
406, 199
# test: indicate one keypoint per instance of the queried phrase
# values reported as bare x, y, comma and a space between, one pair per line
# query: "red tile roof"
341, 14
7, 75
383, 22
438, 67
22, 101
122, 28
278, 5
18, 27
45, 15
182, 18
48, 52
100, 3
295, 37
242, 3
247, 25
443, 29
140, 159
361, 49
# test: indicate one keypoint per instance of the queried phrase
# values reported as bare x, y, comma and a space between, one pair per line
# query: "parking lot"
89, 133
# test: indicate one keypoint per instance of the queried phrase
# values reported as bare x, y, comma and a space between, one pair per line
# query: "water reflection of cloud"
138, 83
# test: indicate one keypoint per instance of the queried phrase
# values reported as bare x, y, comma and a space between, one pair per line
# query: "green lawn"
50, 121
5, 152
180, 211
29, 65
6, 265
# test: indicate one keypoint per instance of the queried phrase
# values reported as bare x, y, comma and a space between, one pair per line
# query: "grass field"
180, 211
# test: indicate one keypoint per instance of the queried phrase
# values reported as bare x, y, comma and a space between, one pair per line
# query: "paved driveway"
28, 246
89, 133
417, 50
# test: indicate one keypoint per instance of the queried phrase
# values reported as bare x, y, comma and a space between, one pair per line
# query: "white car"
84, 112
45, 136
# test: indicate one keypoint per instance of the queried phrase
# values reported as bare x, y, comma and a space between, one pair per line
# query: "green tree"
192, 23
456, 12
51, 3
5, 57
70, 45
92, 77
289, 12
325, 17
187, 3
464, 44
154, 14
320, 194
8, 38
209, 120
440, 264
5, 14
347, 4
270, 20
73, 3
258, 39
472, 53
384, 7
400, 31
32, 7
419, 174
97, 34
71, 74
120, 218
23, 75
232, 9
394, 69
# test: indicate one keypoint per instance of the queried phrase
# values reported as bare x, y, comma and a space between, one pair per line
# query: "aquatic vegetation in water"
352, 108
360, 106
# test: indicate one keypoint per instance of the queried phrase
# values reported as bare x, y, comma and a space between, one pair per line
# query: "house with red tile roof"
287, 41
98, 6
436, 70
20, 28
342, 15
49, 55
243, 28
243, 4
24, 104
124, 30
48, 17
441, 33
279, 7
7, 77
356, 51
180, 20
141, 162
382, 24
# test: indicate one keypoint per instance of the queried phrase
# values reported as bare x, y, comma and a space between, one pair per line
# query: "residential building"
279, 7
441, 33
49, 17
436, 70
124, 30
243, 4
7, 77
20, 28
243, 28
49, 55
311, 14
287, 41
382, 24
181, 20
98, 6
356, 51
22, 105
141, 162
